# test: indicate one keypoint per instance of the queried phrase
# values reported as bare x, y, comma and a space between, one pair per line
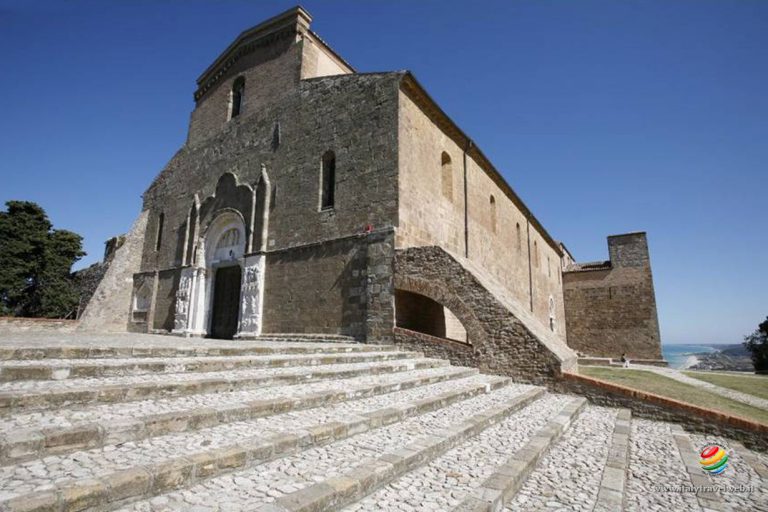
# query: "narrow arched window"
519, 237
328, 180
159, 236
446, 176
549, 268
238, 91
535, 254
493, 213
551, 313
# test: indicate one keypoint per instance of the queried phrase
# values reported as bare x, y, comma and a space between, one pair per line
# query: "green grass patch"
756, 385
670, 388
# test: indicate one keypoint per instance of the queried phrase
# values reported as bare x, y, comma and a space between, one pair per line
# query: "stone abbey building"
310, 198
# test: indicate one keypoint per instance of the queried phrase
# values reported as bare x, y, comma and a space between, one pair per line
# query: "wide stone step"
106, 477
358, 479
283, 478
28, 436
445, 482
165, 346
59, 369
569, 476
20, 396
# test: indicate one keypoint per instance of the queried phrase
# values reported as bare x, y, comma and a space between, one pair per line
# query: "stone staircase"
151, 423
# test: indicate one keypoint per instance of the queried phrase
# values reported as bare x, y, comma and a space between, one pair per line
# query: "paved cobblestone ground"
444, 483
740, 486
655, 465
568, 478
263, 484
134, 410
34, 475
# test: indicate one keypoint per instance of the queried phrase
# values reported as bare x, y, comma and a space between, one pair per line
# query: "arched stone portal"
221, 293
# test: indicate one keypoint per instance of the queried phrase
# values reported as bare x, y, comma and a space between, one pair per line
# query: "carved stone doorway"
226, 302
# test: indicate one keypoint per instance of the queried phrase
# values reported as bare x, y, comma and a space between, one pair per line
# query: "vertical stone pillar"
380, 295
252, 296
184, 299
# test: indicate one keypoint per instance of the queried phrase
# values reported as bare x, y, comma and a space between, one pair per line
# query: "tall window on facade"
238, 89
493, 214
551, 313
159, 237
446, 175
535, 254
519, 238
549, 268
328, 180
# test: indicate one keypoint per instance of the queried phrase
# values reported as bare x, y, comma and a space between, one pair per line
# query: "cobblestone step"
569, 476
247, 490
59, 369
184, 348
349, 482
20, 396
36, 435
106, 478
446, 481
497, 489
655, 463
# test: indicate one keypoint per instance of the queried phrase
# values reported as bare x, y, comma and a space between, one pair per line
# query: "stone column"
252, 296
184, 298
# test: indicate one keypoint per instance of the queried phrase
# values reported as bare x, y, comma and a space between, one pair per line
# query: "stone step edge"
119, 488
10, 372
106, 352
27, 444
16, 401
709, 499
337, 492
613, 482
502, 485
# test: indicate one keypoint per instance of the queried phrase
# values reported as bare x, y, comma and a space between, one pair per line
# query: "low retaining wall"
458, 353
20, 324
647, 405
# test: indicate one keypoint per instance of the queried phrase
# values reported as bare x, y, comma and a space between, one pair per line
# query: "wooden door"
226, 302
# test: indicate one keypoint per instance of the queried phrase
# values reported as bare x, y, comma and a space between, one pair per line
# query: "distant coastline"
723, 357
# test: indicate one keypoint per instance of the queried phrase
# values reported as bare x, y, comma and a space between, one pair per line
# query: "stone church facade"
310, 198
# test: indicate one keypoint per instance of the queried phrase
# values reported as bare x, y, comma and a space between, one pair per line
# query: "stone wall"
500, 234
322, 114
12, 324
655, 407
110, 306
611, 306
505, 339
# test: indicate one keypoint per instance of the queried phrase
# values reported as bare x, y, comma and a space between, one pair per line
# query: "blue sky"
605, 116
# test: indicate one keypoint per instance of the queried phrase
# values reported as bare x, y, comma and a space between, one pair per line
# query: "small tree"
757, 344
35, 263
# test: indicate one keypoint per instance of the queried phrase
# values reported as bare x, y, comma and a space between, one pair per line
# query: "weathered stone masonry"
309, 196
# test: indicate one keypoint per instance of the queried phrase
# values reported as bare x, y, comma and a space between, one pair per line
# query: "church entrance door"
226, 302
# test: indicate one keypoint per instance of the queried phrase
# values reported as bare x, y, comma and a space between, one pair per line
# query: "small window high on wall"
493, 214
238, 91
159, 238
328, 181
446, 176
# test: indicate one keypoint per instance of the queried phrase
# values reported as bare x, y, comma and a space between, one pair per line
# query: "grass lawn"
756, 385
670, 388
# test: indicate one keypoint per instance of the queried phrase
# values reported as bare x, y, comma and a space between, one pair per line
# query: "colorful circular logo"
714, 459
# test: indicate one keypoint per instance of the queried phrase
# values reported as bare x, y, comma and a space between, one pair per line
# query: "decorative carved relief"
252, 293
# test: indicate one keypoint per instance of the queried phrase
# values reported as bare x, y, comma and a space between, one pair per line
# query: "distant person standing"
624, 360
